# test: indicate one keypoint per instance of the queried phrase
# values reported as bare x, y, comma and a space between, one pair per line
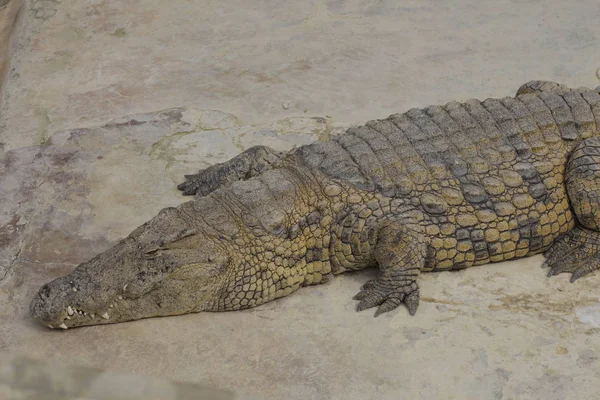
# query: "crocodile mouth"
73, 317
76, 314
62, 305
70, 302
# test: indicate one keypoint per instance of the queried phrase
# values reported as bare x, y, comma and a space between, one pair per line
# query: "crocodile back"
467, 151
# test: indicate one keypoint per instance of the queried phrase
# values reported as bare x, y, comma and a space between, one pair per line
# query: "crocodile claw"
378, 293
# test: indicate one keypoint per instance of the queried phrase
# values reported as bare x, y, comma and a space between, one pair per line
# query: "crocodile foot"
388, 296
577, 252
251, 162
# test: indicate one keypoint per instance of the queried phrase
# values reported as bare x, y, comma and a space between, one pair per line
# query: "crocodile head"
173, 264
233, 249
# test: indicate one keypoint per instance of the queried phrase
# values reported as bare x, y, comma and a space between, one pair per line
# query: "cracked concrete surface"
86, 157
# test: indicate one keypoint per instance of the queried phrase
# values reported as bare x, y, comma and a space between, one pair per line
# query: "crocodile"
434, 189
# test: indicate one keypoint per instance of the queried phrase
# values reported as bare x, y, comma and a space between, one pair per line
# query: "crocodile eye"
197, 271
151, 254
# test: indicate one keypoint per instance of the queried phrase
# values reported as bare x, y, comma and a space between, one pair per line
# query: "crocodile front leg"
400, 253
251, 162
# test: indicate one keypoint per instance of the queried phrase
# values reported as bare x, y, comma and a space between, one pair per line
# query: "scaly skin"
429, 190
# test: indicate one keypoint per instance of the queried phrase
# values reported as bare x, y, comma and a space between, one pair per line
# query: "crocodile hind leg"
250, 163
577, 251
400, 253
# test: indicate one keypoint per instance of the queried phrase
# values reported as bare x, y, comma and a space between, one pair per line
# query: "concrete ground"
107, 103
23, 378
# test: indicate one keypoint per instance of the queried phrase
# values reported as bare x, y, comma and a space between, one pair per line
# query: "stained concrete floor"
107, 103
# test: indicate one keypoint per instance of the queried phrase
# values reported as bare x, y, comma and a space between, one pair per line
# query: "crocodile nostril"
45, 292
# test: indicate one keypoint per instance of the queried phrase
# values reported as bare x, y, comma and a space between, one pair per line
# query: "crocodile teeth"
125, 286
75, 289
92, 316
68, 317
105, 315
63, 326
111, 306
50, 326
70, 310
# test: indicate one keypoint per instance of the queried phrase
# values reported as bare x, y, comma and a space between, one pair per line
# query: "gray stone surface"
75, 176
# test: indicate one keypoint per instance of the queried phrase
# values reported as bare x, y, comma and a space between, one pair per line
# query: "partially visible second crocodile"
436, 189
